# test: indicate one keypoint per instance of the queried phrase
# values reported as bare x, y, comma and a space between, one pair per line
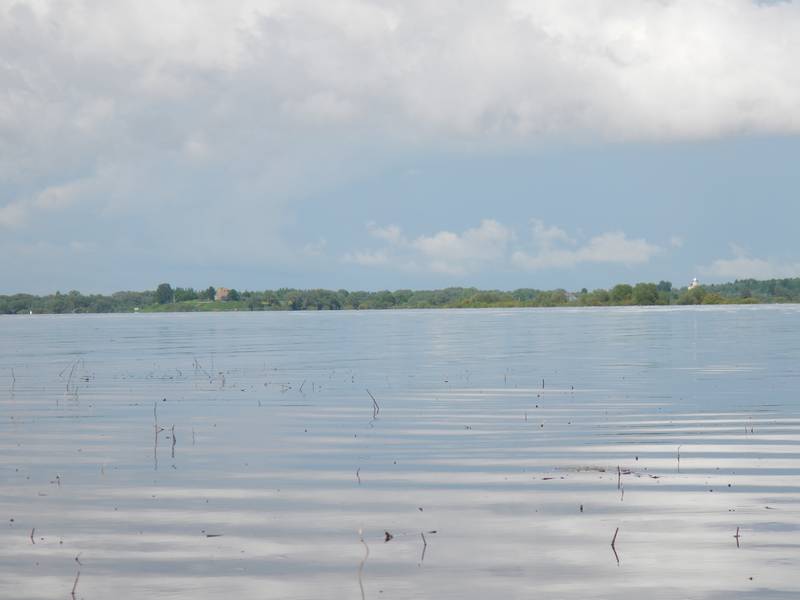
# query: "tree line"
167, 298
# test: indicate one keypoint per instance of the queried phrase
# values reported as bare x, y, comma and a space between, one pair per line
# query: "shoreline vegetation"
165, 298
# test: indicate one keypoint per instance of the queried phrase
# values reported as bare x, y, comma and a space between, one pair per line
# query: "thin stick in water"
75, 585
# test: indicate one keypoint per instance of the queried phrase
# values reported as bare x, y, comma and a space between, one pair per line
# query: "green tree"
271, 299
664, 286
164, 293
294, 299
599, 297
184, 294
253, 303
645, 294
234, 296
621, 294
713, 298
692, 296
383, 299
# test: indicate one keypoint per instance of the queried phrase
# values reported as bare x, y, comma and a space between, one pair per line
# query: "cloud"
13, 214
744, 266
616, 247
493, 244
316, 249
322, 107
391, 233
443, 252
609, 248
120, 78
52, 199
448, 252
547, 236
196, 147
367, 258
216, 119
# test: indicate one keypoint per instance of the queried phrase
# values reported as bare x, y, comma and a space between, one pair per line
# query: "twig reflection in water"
157, 430
614, 545
363, 561
376, 409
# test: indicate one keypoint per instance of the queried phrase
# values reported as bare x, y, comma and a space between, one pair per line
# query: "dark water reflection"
523, 438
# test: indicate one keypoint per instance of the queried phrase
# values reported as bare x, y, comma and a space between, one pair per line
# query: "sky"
384, 145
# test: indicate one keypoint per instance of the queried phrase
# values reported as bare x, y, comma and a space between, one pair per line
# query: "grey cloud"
174, 131
85, 81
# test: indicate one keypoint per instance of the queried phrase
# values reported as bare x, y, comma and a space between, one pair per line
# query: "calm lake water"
240, 455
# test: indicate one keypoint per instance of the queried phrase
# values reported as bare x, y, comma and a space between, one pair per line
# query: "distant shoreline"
165, 298
434, 308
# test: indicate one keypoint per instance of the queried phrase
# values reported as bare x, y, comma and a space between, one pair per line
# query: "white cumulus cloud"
456, 253
442, 252
492, 244
367, 258
743, 266
609, 248
391, 233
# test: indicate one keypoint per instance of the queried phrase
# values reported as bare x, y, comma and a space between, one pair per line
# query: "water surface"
240, 455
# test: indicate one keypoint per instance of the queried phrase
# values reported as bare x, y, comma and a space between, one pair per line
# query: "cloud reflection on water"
499, 467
